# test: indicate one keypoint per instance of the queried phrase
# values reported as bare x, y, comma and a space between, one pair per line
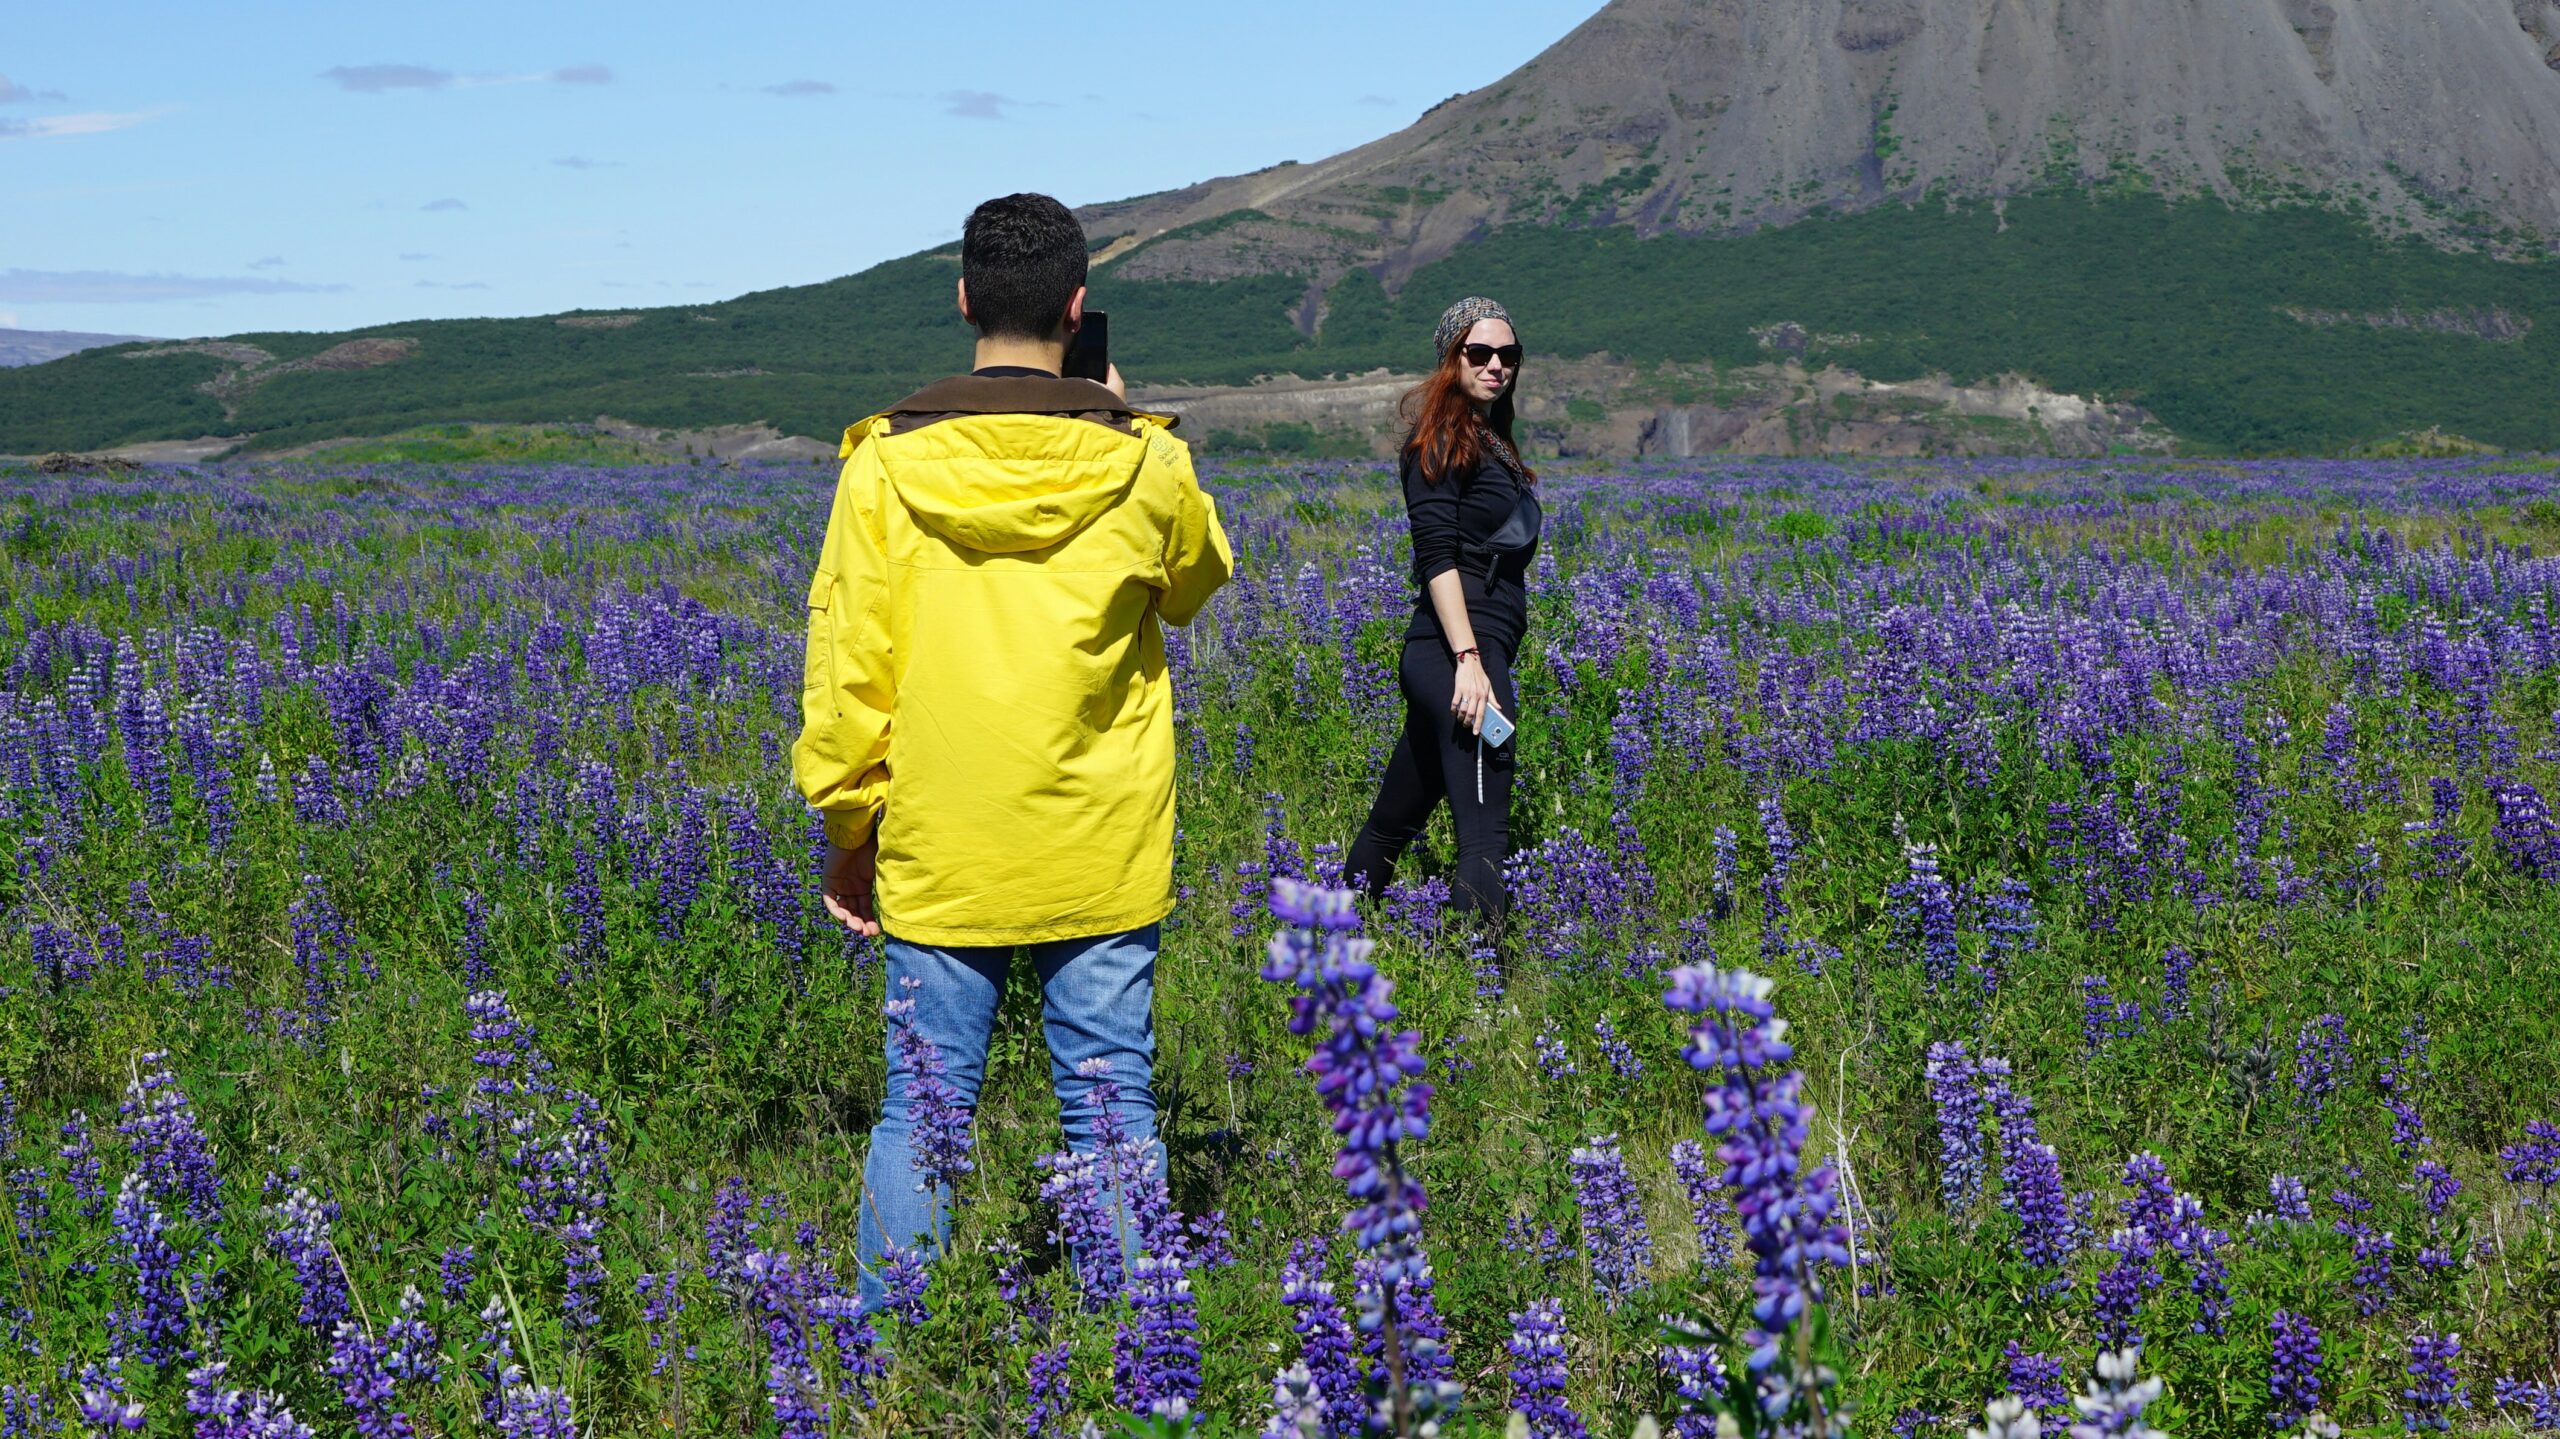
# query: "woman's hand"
1473, 694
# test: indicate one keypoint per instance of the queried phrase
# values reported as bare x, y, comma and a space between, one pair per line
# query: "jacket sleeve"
847, 693
1196, 557
1433, 512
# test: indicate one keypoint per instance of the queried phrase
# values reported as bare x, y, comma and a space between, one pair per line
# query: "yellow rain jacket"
985, 680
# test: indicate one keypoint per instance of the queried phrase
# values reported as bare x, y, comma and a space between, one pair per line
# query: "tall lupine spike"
1370, 1075
1756, 1109
2112, 1407
1708, 1206
2436, 1387
941, 1122
1614, 1236
1326, 1348
1538, 1372
2293, 1374
1955, 1089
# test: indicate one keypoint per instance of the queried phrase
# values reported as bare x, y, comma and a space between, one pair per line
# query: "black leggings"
1435, 759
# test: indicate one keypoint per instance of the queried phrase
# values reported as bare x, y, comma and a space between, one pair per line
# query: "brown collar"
1012, 395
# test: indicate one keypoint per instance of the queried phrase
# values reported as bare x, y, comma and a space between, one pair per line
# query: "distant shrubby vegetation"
2184, 309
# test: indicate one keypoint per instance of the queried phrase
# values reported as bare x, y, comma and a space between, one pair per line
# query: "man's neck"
1049, 355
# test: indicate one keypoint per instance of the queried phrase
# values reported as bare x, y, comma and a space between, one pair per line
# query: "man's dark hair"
1023, 257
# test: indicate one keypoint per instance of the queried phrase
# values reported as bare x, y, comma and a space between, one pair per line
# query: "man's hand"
1111, 381
846, 886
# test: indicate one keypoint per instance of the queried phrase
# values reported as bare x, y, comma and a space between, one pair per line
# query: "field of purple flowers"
1982, 928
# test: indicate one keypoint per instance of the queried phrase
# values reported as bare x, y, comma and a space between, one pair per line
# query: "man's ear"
1075, 310
964, 305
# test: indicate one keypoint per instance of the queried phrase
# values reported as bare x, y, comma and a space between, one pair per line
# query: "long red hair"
1441, 426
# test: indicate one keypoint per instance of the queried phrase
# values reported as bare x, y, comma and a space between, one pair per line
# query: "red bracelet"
1458, 655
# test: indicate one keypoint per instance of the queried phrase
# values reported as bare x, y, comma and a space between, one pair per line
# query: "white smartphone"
1496, 728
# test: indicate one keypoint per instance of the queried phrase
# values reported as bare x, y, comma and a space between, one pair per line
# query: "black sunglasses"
1481, 355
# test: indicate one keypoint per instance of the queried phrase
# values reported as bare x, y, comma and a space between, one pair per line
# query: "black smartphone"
1089, 349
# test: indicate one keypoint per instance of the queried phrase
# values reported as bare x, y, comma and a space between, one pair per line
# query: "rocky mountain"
2440, 117
34, 347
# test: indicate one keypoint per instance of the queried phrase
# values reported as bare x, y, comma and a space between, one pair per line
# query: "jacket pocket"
818, 667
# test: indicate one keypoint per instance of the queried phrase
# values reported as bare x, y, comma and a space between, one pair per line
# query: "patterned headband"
1462, 317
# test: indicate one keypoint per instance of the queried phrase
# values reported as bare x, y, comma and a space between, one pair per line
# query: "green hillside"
2179, 308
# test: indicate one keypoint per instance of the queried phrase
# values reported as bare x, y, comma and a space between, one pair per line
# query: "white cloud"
271, 262
793, 89
9, 320
111, 287
582, 75
96, 122
375, 79
447, 203
415, 255
976, 104
1381, 101
581, 162
13, 93
444, 285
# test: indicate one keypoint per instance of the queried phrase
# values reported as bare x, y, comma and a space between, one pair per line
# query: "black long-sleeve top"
1452, 521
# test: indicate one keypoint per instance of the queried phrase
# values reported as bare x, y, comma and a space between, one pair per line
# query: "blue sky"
189, 168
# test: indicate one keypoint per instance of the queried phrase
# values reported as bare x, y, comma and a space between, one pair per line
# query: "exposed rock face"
1604, 407
1701, 115
2492, 323
251, 367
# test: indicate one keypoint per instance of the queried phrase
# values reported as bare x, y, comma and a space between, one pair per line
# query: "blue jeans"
1097, 996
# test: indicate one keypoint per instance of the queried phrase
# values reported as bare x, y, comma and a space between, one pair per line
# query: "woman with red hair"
1475, 521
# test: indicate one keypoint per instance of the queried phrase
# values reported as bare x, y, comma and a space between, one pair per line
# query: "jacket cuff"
849, 828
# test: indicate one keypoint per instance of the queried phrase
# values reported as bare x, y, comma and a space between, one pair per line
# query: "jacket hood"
1007, 464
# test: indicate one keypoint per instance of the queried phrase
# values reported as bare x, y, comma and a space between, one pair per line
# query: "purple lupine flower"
1325, 1343
2178, 968
533, 1411
2103, 1017
171, 1154
476, 973
681, 862
1554, 1060
2290, 1198
1621, 1056
1051, 1393
1924, 914
2440, 837
941, 1121
661, 1313
1366, 1072
2031, 1181
1722, 871
2539, 1400
903, 1281
1079, 1189
1538, 1372
301, 1239
79, 1155
453, 1272
365, 1384
2122, 1287
1155, 1356
1613, 1229
1688, 1359
1955, 1090
1370, 1079
2535, 1159
2008, 932
584, 899
2035, 1380
410, 1354
2435, 1385
2320, 1050
1707, 1204
1776, 943
2293, 1375
494, 1344
1762, 1121
1297, 1406
222, 1413
153, 1328
2524, 834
